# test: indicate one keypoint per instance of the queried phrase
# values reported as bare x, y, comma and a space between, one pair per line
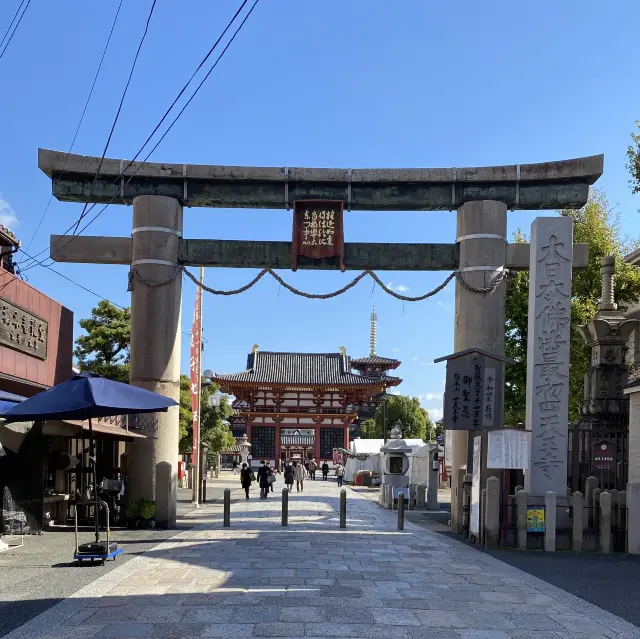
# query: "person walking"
246, 479
340, 474
312, 469
299, 474
325, 471
263, 479
235, 466
288, 476
272, 477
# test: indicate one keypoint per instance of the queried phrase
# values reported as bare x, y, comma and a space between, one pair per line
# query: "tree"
105, 347
369, 429
213, 430
594, 224
633, 155
405, 412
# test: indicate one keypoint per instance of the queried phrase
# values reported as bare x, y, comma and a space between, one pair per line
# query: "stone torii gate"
157, 251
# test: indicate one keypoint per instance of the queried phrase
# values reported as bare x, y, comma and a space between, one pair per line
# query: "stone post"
550, 521
492, 513
577, 504
343, 508
521, 507
226, 508
547, 394
590, 484
155, 338
633, 517
605, 522
479, 318
285, 507
421, 496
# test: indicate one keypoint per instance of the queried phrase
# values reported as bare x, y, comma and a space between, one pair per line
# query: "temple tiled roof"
375, 361
305, 369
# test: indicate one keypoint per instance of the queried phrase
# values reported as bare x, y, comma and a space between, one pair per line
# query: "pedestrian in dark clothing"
273, 472
246, 478
288, 476
264, 473
325, 471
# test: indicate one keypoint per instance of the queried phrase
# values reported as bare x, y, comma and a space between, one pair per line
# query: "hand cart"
97, 550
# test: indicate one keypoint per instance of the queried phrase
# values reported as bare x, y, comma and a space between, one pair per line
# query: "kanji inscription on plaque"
318, 230
22, 330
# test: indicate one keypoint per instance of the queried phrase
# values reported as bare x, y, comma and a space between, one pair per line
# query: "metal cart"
98, 550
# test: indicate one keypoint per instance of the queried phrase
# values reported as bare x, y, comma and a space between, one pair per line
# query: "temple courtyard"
311, 579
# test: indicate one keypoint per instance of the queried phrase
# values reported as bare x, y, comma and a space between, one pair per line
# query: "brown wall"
24, 374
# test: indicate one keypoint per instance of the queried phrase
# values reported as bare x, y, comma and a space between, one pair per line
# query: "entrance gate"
157, 253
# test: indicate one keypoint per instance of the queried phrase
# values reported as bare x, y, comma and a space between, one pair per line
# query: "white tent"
369, 447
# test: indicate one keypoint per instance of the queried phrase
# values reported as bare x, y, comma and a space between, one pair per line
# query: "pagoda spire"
373, 336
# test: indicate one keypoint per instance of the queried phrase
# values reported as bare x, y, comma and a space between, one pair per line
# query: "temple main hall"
301, 405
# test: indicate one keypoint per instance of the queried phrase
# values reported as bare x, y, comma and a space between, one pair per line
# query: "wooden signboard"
318, 231
473, 398
22, 330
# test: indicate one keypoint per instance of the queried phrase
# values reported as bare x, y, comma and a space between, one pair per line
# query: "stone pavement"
257, 579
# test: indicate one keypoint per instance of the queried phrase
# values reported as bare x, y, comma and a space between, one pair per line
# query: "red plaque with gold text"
318, 232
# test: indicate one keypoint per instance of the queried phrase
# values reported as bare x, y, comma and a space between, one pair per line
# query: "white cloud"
395, 350
415, 359
399, 288
445, 307
434, 397
8, 216
435, 413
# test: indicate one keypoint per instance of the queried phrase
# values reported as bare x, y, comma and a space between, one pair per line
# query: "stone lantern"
245, 449
394, 461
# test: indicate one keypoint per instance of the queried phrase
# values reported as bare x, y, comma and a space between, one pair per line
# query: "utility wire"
26, 268
15, 15
15, 28
215, 64
72, 281
113, 126
115, 120
84, 111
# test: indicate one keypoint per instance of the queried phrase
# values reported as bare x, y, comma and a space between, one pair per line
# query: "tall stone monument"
547, 411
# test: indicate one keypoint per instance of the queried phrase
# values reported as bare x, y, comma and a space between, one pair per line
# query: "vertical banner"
194, 373
318, 231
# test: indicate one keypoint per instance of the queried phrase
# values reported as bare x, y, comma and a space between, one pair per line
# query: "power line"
115, 120
84, 288
84, 111
15, 15
15, 28
113, 126
215, 64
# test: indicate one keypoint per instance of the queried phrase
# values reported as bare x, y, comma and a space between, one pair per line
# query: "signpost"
474, 390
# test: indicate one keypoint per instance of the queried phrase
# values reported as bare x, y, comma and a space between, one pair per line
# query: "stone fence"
599, 521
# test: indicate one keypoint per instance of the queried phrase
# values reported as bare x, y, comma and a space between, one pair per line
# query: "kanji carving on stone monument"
548, 353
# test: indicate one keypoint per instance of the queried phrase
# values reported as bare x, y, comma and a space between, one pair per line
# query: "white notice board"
474, 524
508, 448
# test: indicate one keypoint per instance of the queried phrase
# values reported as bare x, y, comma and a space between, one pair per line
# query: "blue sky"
328, 83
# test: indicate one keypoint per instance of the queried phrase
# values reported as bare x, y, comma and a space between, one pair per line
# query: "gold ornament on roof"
254, 349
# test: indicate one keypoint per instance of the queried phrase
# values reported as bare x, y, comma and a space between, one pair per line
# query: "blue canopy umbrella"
87, 396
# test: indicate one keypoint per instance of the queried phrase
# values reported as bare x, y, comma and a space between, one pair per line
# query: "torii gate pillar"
479, 318
155, 340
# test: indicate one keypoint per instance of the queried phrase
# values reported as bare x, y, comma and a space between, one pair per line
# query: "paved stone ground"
311, 579
41, 573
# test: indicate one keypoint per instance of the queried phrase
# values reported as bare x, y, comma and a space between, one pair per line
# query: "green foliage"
405, 412
633, 156
594, 224
141, 508
369, 429
213, 431
105, 347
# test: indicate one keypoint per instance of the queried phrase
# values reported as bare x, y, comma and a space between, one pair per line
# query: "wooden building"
300, 405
